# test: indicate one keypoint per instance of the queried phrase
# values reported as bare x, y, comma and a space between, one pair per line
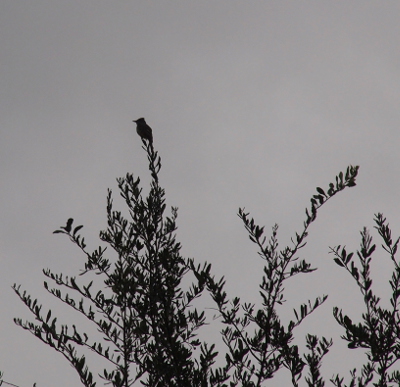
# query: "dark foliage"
258, 342
379, 331
148, 320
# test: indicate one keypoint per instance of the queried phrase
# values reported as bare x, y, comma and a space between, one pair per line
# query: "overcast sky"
252, 103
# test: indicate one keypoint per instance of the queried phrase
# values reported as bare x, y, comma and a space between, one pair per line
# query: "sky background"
252, 104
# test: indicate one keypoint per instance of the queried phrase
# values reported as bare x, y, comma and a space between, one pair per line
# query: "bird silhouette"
144, 130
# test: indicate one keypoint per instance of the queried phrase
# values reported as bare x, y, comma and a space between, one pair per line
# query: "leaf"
339, 262
371, 250
347, 322
354, 271
348, 258
76, 229
68, 227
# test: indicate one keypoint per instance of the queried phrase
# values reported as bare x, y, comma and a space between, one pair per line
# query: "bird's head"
140, 121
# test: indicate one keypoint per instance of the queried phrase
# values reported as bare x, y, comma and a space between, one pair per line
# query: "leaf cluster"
379, 331
148, 323
146, 320
258, 342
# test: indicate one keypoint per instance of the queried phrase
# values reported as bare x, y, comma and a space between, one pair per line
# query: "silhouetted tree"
149, 323
258, 342
379, 331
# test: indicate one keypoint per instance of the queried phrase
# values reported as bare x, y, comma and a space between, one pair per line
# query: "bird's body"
144, 130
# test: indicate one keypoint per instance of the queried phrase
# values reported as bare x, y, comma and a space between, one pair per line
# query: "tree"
149, 323
379, 331
146, 319
258, 342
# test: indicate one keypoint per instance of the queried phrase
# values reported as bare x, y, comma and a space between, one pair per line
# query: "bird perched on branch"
144, 130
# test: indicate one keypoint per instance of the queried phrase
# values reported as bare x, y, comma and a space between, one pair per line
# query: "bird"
144, 130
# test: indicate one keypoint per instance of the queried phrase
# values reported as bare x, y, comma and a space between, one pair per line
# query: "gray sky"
252, 104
